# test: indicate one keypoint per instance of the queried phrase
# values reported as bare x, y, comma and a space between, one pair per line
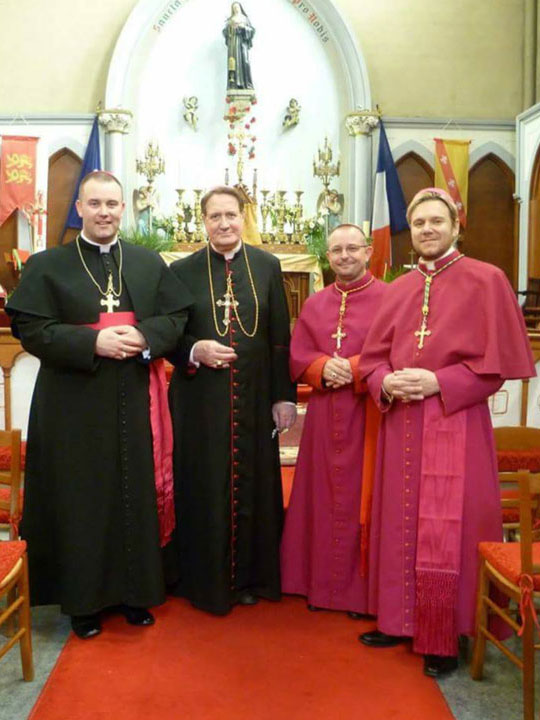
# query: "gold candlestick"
180, 234
198, 234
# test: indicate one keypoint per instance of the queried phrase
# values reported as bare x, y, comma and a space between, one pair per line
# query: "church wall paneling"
490, 233
64, 169
8, 241
414, 174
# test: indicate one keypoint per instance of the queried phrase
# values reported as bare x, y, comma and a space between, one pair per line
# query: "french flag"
389, 209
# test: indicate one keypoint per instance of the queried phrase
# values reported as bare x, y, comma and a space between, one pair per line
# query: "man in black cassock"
230, 395
95, 312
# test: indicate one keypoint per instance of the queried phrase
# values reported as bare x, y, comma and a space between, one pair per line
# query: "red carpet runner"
273, 661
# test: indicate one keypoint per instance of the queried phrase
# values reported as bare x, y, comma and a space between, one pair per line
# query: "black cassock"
227, 474
90, 516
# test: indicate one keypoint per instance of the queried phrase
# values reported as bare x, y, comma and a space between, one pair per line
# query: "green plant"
394, 272
157, 239
315, 234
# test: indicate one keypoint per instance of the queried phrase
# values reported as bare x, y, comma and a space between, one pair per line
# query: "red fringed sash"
440, 515
162, 433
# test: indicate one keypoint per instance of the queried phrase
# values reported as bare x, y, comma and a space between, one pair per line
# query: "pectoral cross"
110, 302
422, 333
339, 335
227, 303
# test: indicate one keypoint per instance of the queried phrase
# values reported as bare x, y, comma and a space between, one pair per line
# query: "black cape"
90, 515
227, 474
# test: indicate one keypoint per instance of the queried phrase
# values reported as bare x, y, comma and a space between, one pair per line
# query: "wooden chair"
14, 587
513, 568
10, 483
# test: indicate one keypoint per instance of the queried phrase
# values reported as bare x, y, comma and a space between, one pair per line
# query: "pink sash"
162, 433
440, 515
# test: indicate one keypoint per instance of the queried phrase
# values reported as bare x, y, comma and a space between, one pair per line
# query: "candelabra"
297, 217
152, 165
281, 216
324, 168
180, 234
265, 212
198, 234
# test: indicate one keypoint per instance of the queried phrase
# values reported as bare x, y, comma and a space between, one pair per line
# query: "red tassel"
526, 604
435, 613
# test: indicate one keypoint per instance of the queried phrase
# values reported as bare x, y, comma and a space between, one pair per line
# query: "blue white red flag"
91, 161
389, 208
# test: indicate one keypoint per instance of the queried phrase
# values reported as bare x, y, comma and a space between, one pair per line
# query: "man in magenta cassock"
446, 337
320, 551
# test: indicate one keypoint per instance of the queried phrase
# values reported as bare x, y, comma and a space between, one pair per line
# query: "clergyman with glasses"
230, 396
324, 547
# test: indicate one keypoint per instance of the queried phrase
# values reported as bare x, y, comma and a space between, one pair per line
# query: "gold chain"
110, 285
424, 332
234, 303
339, 334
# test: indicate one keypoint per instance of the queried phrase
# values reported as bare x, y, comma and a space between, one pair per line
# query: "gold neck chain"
230, 300
424, 332
339, 334
109, 291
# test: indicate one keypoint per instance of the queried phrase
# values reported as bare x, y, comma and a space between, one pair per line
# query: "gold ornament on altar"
146, 202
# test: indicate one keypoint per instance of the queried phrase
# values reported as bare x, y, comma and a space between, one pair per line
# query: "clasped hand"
337, 372
411, 384
213, 354
120, 342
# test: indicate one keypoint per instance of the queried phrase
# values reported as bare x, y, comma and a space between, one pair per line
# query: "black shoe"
247, 598
314, 608
439, 665
137, 616
85, 626
359, 616
376, 638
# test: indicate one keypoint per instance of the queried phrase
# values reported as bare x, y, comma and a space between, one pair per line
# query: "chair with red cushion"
513, 569
14, 587
10, 483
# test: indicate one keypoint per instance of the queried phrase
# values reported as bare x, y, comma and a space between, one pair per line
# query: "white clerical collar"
230, 253
430, 264
103, 248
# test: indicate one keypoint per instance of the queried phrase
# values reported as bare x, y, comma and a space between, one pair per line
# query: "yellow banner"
452, 171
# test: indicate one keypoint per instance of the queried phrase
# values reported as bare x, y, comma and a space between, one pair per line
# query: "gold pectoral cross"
421, 334
338, 336
227, 303
110, 302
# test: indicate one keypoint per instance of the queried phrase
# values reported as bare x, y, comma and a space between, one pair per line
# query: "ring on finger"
218, 363
123, 355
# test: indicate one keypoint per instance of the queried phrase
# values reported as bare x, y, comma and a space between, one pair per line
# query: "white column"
360, 125
117, 124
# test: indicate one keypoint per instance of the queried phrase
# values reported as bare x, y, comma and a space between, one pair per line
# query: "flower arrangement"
315, 235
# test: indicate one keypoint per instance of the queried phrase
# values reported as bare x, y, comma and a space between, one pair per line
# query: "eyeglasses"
349, 249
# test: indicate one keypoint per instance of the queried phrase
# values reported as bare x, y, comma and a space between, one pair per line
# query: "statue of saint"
238, 33
330, 203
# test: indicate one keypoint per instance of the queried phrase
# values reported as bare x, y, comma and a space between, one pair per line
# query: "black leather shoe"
359, 616
137, 616
247, 598
439, 665
313, 608
85, 626
376, 638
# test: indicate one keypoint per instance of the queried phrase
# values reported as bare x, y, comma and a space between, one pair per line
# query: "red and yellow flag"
17, 174
452, 172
